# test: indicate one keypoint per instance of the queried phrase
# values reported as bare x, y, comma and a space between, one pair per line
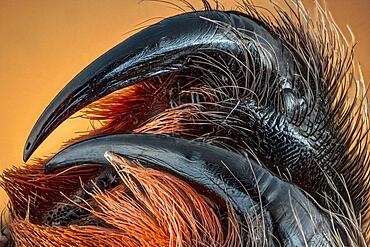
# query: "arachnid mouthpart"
219, 128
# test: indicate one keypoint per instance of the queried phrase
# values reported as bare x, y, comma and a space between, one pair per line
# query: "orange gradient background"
44, 44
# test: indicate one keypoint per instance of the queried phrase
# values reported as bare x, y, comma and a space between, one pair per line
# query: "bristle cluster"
337, 87
32, 192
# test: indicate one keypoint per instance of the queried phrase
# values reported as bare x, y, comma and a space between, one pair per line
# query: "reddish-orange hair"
149, 208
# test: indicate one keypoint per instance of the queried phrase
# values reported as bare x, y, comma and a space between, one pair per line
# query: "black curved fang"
233, 177
159, 49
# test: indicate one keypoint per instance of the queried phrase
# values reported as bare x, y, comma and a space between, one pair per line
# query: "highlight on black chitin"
244, 127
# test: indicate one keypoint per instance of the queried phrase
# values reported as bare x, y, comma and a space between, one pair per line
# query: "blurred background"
44, 44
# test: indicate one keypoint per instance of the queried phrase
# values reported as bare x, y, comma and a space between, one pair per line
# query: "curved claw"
224, 173
205, 165
157, 50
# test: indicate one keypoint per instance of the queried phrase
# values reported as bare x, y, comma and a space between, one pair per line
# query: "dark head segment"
157, 50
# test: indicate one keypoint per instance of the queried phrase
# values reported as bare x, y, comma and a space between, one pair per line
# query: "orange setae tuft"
148, 208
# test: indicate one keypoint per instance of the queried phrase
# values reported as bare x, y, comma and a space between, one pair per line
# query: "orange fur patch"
149, 208
32, 192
